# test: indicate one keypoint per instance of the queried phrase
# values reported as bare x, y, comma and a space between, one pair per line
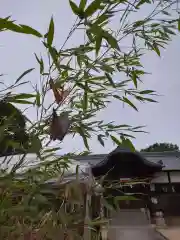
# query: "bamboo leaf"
98, 43
100, 139
38, 99
50, 35
54, 54
147, 92
81, 132
41, 64
110, 80
29, 30
134, 78
23, 95
179, 24
127, 143
150, 100
101, 19
111, 40
126, 100
20, 101
74, 8
23, 74
92, 8
115, 140
35, 145
9, 25
82, 5
141, 2
166, 13
156, 49
85, 97
21, 98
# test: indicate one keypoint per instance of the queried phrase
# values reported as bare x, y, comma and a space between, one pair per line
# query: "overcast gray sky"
17, 55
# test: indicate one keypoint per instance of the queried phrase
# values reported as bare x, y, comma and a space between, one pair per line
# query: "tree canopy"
161, 147
14, 137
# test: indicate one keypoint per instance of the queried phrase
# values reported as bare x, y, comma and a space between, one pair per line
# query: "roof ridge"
165, 153
143, 153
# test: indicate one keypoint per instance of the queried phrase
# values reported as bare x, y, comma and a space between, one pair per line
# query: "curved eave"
132, 157
123, 151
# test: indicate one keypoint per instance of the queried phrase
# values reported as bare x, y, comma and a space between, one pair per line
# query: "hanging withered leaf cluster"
59, 126
59, 93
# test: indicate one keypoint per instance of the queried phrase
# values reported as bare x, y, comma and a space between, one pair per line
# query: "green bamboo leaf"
100, 139
66, 67
82, 5
41, 64
150, 100
126, 135
119, 126
146, 92
126, 100
179, 24
134, 78
54, 54
50, 35
50, 150
92, 8
38, 99
115, 140
110, 80
101, 19
127, 143
111, 40
29, 30
107, 68
9, 25
35, 145
23, 74
21, 98
98, 43
140, 98
167, 30
166, 13
74, 8
81, 132
118, 97
85, 97
24, 95
85, 88
138, 23
141, 2
156, 49
20, 101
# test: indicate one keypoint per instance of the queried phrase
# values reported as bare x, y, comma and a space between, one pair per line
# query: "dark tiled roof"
171, 160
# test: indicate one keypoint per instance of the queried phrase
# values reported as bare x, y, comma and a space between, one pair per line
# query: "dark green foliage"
13, 135
161, 147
